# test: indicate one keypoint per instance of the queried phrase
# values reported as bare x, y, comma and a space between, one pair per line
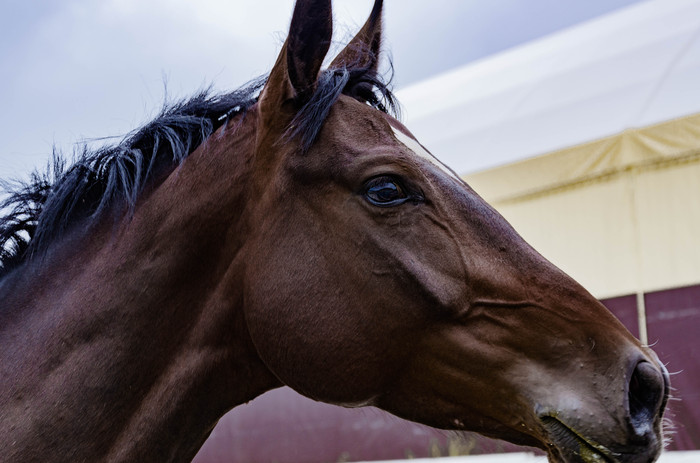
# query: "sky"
76, 70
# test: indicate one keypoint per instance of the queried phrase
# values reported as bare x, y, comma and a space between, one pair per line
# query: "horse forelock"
362, 83
112, 177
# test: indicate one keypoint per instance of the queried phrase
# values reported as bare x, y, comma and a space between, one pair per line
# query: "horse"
294, 232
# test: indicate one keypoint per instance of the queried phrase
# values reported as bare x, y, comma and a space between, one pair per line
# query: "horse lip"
568, 441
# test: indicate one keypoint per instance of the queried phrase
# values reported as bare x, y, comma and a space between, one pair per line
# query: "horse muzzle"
635, 437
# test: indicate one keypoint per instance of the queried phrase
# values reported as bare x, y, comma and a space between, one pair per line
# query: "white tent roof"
634, 67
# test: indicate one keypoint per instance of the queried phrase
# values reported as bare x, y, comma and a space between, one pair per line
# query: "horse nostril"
646, 393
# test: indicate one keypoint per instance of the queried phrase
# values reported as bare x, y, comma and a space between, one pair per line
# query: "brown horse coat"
310, 241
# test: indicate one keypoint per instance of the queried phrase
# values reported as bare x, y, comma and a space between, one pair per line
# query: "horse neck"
128, 342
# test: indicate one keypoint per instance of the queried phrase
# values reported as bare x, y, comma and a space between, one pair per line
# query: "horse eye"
385, 191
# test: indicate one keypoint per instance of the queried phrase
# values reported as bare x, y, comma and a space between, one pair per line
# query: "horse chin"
567, 446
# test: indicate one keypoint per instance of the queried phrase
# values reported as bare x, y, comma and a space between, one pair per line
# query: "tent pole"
642, 318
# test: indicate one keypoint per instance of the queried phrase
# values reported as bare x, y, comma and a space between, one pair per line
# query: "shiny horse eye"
385, 191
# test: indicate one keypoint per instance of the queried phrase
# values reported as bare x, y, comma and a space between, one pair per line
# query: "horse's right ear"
295, 73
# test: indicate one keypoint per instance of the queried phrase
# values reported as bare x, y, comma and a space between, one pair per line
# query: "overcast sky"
84, 69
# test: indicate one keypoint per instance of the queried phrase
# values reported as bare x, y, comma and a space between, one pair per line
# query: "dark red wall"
673, 320
673, 328
284, 427
625, 309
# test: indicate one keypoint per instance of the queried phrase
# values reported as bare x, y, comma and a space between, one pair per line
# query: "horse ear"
363, 49
298, 64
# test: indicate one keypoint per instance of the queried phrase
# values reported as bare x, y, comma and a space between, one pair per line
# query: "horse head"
375, 276
302, 236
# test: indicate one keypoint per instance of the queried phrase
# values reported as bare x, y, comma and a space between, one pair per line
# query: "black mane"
112, 177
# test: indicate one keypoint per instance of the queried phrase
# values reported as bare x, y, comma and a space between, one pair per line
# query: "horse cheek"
308, 328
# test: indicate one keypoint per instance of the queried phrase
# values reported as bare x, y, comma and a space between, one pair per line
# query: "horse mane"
112, 178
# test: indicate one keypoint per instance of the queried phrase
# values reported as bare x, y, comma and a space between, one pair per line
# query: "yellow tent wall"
621, 214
